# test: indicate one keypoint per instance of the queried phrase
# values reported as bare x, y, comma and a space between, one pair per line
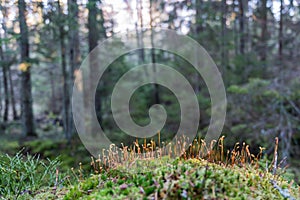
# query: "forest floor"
155, 177
178, 179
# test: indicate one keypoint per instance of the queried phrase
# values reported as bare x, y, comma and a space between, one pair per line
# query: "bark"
66, 95
264, 19
241, 24
153, 59
139, 30
5, 76
12, 95
1, 106
235, 33
11, 88
93, 38
5, 85
280, 35
93, 35
223, 36
26, 96
199, 25
74, 52
52, 104
198, 31
248, 33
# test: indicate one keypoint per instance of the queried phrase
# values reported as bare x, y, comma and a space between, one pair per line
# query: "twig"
284, 192
282, 162
275, 156
56, 177
294, 106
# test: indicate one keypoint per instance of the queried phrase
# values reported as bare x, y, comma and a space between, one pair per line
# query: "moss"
170, 178
90, 183
38, 146
237, 90
9, 146
74, 193
193, 178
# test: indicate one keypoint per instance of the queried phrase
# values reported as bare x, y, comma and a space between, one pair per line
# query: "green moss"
38, 146
185, 179
90, 183
9, 146
74, 193
162, 177
237, 89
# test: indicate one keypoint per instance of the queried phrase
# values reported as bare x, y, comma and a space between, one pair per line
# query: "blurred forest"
255, 44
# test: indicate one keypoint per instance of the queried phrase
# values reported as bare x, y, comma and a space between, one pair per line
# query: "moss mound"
184, 179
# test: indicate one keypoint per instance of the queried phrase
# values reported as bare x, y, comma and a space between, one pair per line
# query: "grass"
21, 175
149, 170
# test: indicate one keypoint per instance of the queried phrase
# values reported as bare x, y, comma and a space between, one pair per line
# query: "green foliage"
70, 154
21, 175
42, 146
237, 89
9, 39
9, 146
245, 67
260, 104
295, 90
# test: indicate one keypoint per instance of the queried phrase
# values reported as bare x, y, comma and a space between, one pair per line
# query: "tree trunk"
8, 64
264, 20
5, 76
198, 31
5, 85
52, 104
280, 35
224, 55
26, 96
235, 32
93, 37
153, 60
74, 52
66, 95
199, 25
12, 95
242, 29
140, 34
1, 106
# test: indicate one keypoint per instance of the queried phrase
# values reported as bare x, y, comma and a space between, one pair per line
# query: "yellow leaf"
24, 66
233, 16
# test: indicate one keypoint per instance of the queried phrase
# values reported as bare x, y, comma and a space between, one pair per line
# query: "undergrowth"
153, 170
202, 171
23, 175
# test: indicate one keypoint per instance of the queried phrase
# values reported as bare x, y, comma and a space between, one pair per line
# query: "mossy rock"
178, 179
